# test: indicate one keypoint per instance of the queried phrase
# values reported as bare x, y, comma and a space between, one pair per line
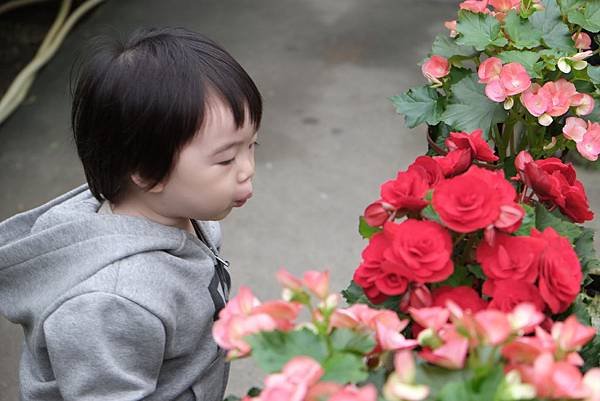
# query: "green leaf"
528, 221
365, 230
479, 30
584, 246
521, 32
352, 341
456, 391
477, 271
594, 73
460, 276
588, 17
419, 105
445, 46
469, 108
344, 368
595, 115
543, 219
431, 214
354, 294
457, 74
526, 58
555, 32
436, 377
591, 353
273, 349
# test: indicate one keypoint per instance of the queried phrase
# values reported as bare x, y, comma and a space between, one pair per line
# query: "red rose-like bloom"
455, 162
474, 141
406, 192
559, 270
556, 182
506, 294
429, 169
420, 250
510, 257
377, 213
465, 297
470, 201
379, 283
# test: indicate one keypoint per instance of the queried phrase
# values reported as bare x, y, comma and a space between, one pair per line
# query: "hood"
48, 250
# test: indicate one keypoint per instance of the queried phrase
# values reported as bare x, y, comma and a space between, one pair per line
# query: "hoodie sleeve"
104, 347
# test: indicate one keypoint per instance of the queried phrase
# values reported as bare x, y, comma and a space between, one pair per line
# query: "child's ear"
143, 184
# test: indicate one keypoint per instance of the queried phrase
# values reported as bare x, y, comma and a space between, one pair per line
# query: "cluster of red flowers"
467, 198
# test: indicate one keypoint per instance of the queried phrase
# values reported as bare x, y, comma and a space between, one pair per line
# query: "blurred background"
329, 136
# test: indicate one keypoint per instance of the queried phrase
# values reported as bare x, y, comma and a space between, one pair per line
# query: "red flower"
556, 182
510, 257
377, 213
406, 192
506, 294
429, 169
455, 162
465, 297
474, 141
420, 250
471, 201
559, 269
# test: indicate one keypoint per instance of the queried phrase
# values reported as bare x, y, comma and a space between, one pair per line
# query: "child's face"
214, 172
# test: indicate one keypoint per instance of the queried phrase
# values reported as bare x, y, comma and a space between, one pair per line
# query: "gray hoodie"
112, 307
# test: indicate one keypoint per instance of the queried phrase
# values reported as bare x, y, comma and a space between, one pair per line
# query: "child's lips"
242, 201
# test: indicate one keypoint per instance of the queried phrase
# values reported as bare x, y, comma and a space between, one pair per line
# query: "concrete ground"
329, 136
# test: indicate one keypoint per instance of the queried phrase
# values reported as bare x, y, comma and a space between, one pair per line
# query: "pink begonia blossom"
451, 354
451, 25
493, 326
287, 280
505, 5
551, 100
525, 317
433, 318
577, 61
535, 101
317, 282
574, 129
571, 335
294, 381
556, 379
244, 315
583, 103
353, 393
582, 40
589, 147
476, 6
591, 383
512, 80
434, 68
489, 70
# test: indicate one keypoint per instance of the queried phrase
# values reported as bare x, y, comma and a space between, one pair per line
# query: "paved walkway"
328, 139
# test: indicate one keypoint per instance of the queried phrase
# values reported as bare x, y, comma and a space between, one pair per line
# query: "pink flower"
525, 317
434, 68
570, 335
353, 393
451, 25
288, 281
433, 318
317, 282
561, 92
480, 150
582, 40
450, 355
535, 101
387, 332
245, 315
476, 6
575, 129
583, 103
493, 326
293, 383
556, 379
489, 70
505, 5
514, 78
495, 91
589, 147
591, 382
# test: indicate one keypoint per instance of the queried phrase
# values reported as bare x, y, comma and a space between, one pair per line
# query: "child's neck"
137, 209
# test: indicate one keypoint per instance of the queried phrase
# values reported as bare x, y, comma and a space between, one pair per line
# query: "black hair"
137, 103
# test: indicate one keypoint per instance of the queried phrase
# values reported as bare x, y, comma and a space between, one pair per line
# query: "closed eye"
226, 162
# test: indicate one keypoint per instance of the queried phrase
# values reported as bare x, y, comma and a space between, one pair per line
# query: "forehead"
219, 125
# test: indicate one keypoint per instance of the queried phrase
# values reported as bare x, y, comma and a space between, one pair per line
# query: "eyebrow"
230, 145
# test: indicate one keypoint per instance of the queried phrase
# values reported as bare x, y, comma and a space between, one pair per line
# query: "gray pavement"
329, 135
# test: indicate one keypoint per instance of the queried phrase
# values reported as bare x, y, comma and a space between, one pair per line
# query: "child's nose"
247, 170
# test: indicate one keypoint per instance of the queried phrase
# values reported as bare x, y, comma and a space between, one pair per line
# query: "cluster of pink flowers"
585, 134
499, 7
503, 81
434, 68
299, 381
245, 315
